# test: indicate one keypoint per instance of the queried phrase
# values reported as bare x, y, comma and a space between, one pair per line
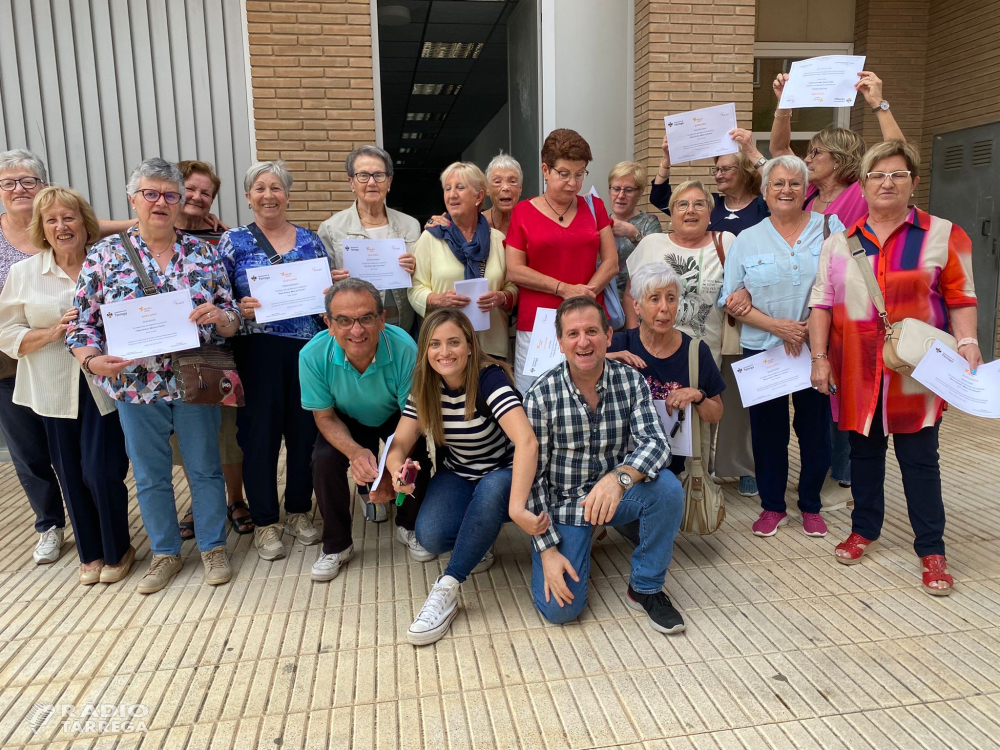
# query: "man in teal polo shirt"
355, 378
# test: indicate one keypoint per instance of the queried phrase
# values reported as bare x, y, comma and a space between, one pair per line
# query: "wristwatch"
882, 106
624, 479
638, 237
701, 400
760, 162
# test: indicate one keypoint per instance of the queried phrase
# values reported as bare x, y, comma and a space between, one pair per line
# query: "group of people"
769, 260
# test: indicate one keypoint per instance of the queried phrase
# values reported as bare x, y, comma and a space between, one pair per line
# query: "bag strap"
826, 226
148, 287
264, 244
861, 258
693, 375
717, 239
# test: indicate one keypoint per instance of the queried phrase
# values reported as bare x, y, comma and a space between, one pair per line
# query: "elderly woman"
659, 350
267, 357
923, 267
503, 186
626, 184
82, 427
467, 248
369, 172
145, 390
555, 241
776, 263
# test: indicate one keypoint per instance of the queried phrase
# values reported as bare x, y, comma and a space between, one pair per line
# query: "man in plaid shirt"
602, 459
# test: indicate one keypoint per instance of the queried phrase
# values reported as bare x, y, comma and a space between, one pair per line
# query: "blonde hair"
684, 187
631, 169
72, 200
846, 147
748, 175
426, 389
886, 150
468, 172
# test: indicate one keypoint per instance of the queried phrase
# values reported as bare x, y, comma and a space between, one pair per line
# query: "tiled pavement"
784, 647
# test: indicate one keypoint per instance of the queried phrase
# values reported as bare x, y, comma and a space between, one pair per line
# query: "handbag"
704, 510
731, 328
8, 366
907, 341
612, 302
206, 375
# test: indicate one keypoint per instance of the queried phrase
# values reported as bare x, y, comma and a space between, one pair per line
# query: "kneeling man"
602, 459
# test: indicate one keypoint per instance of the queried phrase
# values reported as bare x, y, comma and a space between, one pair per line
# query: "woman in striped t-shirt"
463, 399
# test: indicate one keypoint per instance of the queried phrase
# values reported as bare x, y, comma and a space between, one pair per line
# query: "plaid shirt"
577, 446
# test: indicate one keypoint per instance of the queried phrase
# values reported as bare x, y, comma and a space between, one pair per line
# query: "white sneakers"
301, 527
268, 541
327, 567
435, 617
485, 564
49, 546
409, 539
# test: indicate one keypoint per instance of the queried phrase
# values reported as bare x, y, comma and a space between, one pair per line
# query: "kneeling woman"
466, 401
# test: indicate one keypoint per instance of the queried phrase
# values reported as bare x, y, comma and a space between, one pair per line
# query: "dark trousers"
269, 368
917, 454
333, 493
90, 459
770, 433
24, 434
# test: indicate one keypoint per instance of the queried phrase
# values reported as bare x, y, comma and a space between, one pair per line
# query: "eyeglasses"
345, 323
685, 205
363, 177
566, 176
899, 176
721, 170
628, 191
794, 185
813, 153
28, 183
152, 196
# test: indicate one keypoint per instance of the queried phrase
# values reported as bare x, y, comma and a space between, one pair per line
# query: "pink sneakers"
768, 523
813, 524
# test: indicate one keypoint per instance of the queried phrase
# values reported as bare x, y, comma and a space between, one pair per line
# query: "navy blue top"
722, 220
673, 369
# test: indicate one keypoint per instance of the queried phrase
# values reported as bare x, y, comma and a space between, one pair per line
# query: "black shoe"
661, 612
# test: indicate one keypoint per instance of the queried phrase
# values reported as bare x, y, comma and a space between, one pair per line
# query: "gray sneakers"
49, 546
268, 541
327, 567
217, 568
301, 527
161, 570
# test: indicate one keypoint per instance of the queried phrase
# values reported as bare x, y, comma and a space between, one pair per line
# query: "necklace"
552, 208
663, 349
798, 226
732, 211
493, 219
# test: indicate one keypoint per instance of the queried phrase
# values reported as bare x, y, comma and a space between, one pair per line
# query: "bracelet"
86, 363
505, 302
558, 284
966, 341
777, 115
818, 356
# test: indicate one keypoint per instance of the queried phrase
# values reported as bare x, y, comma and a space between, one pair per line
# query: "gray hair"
373, 151
790, 162
352, 284
651, 277
156, 169
504, 161
277, 168
18, 158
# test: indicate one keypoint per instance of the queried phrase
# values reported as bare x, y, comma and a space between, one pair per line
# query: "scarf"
470, 254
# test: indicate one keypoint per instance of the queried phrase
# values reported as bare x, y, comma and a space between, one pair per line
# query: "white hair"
651, 277
790, 162
374, 151
18, 158
156, 169
277, 168
504, 161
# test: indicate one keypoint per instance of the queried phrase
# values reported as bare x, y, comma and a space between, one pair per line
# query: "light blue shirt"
779, 277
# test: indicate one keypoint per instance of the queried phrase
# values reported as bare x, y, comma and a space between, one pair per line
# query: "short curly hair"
565, 144
72, 200
189, 167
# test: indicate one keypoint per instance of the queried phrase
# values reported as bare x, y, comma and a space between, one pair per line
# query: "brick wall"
311, 67
689, 55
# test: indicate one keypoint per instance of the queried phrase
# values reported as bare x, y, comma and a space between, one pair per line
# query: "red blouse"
566, 253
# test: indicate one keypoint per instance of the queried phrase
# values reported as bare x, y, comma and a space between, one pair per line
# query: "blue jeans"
463, 517
147, 430
658, 506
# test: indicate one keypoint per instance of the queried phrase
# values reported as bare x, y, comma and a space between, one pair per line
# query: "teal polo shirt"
329, 380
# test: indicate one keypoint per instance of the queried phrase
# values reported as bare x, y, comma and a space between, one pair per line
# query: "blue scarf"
469, 253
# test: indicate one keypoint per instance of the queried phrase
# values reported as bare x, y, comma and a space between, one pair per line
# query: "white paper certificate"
772, 374
822, 82
680, 442
474, 289
377, 261
701, 133
150, 326
289, 290
543, 351
948, 374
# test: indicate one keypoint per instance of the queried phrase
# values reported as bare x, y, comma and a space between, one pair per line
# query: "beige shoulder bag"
907, 341
704, 510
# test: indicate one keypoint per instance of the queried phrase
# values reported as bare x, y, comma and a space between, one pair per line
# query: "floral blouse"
108, 276
239, 252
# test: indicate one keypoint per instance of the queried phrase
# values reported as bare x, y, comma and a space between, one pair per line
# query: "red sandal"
936, 570
856, 547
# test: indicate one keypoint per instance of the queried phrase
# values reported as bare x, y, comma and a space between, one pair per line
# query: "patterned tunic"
924, 268
9, 255
108, 276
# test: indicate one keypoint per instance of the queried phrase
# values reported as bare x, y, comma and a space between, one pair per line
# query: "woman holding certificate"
145, 389
555, 241
922, 266
267, 356
82, 428
464, 250
776, 261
